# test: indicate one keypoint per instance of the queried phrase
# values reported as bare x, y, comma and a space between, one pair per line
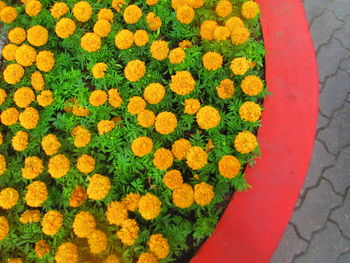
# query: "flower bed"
124, 125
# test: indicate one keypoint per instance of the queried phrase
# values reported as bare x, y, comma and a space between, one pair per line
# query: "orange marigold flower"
41, 248
142, 146
159, 246
129, 232
132, 14
59, 9
141, 37
196, 3
33, 8
166, 122
233, 22
3, 96
2, 5
65, 28
203, 193
105, 126
13, 73
114, 98
8, 198
229, 166
37, 80
4, 227
17, 35
226, 89
136, 105
245, 142
84, 224
124, 39
67, 253
116, 213
52, 222
163, 159
102, 28
82, 11
182, 83
135, 70
45, 60
8, 14
185, 14
173, 179
20, 141
185, 44
98, 187
149, 206
180, 148
177, 56
176, 4
183, 196
207, 29
23, 97
106, 14
79, 110
240, 35
196, 158
250, 9
90, 42
147, 258
45, 98
240, 66
154, 93
208, 117
30, 216
131, 201
223, 8
159, 49
58, 166
98, 97
97, 241
151, 2
99, 69
212, 60
50, 144
252, 85
221, 33
146, 118
192, 106
15, 260
153, 21
9, 116
33, 167
250, 111
77, 197
2, 164
29, 118
112, 259
86, 164
9, 52
118, 4
25, 55
81, 136
36, 194
37, 35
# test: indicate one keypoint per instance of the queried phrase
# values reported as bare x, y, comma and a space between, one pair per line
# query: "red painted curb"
254, 221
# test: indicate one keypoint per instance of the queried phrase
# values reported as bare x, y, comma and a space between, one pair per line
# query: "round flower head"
182, 83
180, 148
166, 122
245, 142
118, 4
98, 97
4, 227
9, 52
129, 232
208, 117
196, 3
52, 222
163, 159
141, 38
33, 167
33, 8
102, 28
153, 21
84, 224
37, 36
250, 9
159, 49
240, 35
90, 42
13, 73
41, 248
106, 14
9, 116
131, 201
36, 194
146, 118
176, 4
82, 11
45, 60
185, 14
77, 196
114, 98
116, 213
112, 259
177, 56
221, 33
173, 179
50, 144
149, 206
223, 8
250, 111
98, 187
240, 66
23, 97
151, 2
45, 98
203, 193
105, 126
185, 44
2, 5
99, 69
135, 70
8, 14
192, 106
8, 198
59, 9
212, 60
226, 89
229, 166
3, 96
29, 118
17, 35
154, 93
183, 196
30, 216
159, 246
37, 80
136, 105
25, 55
65, 28
124, 39
67, 253
58, 166
97, 241
81, 136
252, 85
86, 164
196, 158
20, 141
234, 22
142, 146
147, 258
2, 164
132, 14
207, 29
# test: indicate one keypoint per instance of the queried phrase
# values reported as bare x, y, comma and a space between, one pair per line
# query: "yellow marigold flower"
98, 97
90, 42
41, 248
176, 4
141, 38
9, 116
229, 166
33, 167
146, 118
112, 259
33, 8
65, 27
37, 36
252, 85
136, 105
23, 97
3, 96
79, 110
17, 35
29, 118
177, 56
8, 14
124, 39
154, 93
116, 213
25, 55
45, 98
9, 52
159, 246
84, 224
81, 136
4, 227
226, 89
106, 14
105, 126
203, 194
45, 60
97, 241
185, 44
114, 98
185, 14
250, 111
250, 9
142, 146
20, 141
240, 66
173, 179
58, 166
166, 122
99, 69
13, 73
102, 28
135, 70
67, 253
149, 206
8, 198
223, 8
208, 117
147, 258
52, 222
240, 35
183, 196
118, 4
86, 164
82, 11
131, 201
15, 260
234, 22
180, 148
207, 29
221, 33
2, 164
77, 197
212, 60
191, 106
196, 3
98, 187
153, 21
182, 83
30, 216
50, 144
163, 159
59, 9
129, 232
159, 49
196, 158
151, 2
2, 5
37, 80
245, 142
132, 14
36, 194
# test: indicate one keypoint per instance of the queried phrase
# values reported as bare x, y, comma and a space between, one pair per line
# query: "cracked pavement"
319, 230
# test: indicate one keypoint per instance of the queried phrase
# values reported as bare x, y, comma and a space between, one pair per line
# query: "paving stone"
313, 213
322, 122
344, 33
340, 8
325, 246
345, 258
345, 65
314, 8
341, 215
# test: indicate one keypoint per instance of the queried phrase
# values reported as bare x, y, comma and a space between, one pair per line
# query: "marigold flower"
250, 111
98, 70
77, 197
141, 38
149, 206
23, 97
17, 35
192, 106
128, 232
166, 122
159, 49
86, 164
116, 213
25, 55
37, 80
13, 73
15, 260
41, 248
8, 198
58, 166
183, 196
207, 29
135, 70
45, 98
159, 246
112, 259
4, 227
90, 42
124, 39
177, 56
33, 167
9, 52
1, 139
50, 144
212, 60
118, 4
180, 148
240, 66
3, 96
151, 2
240, 35
234, 22
221, 33
2, 164
226, 89
79, 110
67, 253
173, 179
136, 105
142, 146
154, 93
223, 8
59, 9
131, 201
114, 98
98, 97
196, 3
8, 14
229, 166
153, 21
163, 159
84, 224
45, 60
20, 141
185, 44
132, 14
97, 241
102, 28
105, 126
252, 85
245, 142
65, 28
185, 14
2, 5
30, 216
250, 9
52, 222
208, 117
81, 136
203, 194
29, 118
82, 11
106, 14
33, 8
182, 83
196, 158
98, 187
146, 118
36, 194
37, 36
9, 116
147, 258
